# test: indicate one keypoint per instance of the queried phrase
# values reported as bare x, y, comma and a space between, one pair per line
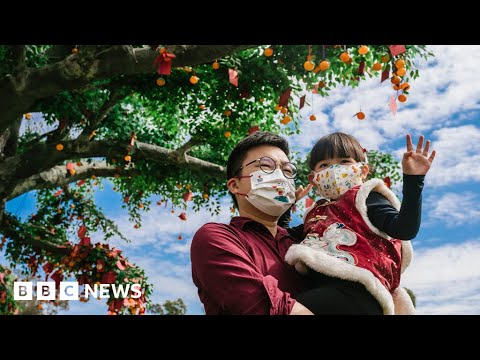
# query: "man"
239, 268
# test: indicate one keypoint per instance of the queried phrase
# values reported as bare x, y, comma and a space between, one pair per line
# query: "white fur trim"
361, 205
334, 267
403, 302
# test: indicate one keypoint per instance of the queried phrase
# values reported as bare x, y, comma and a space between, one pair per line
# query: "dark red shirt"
240, 268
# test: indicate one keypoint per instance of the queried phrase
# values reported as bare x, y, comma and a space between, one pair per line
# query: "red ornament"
302, 102
188, 196
253, 129
57, 194
233, 77
82, 231
81, 182
109, 277
361, 68
285, 97
397, 49
85, 241
387, 181
120, 265
385, 75
48, 268
183, 216
164, 62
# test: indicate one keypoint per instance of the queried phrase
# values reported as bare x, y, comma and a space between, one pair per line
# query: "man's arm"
226, 272
403, 224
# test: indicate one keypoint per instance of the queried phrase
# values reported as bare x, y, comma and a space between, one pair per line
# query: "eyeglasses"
268, 166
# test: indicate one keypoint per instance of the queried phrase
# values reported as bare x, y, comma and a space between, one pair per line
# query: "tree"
176, 307
112, 117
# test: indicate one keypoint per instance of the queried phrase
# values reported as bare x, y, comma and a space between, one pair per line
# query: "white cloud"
161, 228
458, 153
454, 209
446, 279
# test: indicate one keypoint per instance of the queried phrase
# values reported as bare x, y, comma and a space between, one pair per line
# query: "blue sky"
443, 105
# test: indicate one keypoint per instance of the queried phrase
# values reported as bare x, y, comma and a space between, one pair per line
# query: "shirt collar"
244, 223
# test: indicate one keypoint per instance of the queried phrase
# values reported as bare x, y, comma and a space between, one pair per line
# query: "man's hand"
301, 192
417, 162
299, 309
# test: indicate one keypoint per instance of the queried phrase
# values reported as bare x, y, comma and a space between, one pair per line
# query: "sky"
443, 105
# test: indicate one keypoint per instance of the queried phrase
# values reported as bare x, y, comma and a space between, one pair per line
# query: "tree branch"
115, 97
181, 152
57, 176
18, 94
17, 170
19, 56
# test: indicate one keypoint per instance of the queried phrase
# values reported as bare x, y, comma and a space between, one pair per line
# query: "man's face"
243, 185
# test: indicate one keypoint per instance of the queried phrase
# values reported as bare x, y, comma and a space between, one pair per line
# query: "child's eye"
345, 161
323, 166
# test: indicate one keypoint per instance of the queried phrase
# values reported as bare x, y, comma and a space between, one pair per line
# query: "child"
352, 238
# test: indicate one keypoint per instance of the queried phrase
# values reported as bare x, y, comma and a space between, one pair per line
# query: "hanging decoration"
233, 77
397, 49
164, 61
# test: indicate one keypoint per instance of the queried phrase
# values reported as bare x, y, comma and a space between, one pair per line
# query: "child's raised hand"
301, 192
417, 162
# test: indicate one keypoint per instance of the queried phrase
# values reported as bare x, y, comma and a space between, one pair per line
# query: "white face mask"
272, 193
337, 179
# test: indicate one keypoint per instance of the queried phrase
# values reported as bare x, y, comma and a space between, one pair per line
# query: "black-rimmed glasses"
268, 166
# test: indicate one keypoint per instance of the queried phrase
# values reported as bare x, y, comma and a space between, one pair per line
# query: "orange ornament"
400, 64
228, 112
284, 110
194, 79
344, 56
385, 58
216, 65
160, 81
401, 72
308, 65
286, 120
377, 66
74, 50
268, 52
127, 158
362, 50
402, 98
313, 117
28, 116
405, 86
59, 147
396, 80
227, 134
324, 65
360, 115
205, 196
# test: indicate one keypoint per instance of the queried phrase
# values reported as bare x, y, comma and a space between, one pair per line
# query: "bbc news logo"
23, 290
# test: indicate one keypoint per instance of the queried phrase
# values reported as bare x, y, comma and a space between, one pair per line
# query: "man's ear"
232, 185
365, 170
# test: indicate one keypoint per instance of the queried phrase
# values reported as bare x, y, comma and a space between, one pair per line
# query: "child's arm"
403, 224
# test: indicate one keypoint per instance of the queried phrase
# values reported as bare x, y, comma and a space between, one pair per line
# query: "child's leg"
339, 297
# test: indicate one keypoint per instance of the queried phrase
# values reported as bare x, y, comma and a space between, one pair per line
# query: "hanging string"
323, 51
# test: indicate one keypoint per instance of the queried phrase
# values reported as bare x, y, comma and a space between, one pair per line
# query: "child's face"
322, 165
